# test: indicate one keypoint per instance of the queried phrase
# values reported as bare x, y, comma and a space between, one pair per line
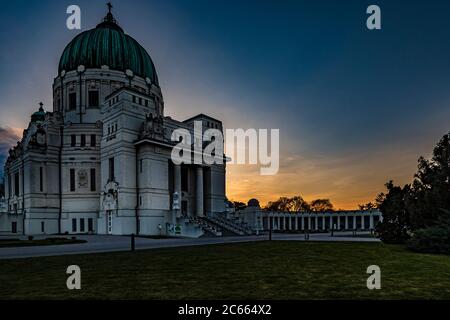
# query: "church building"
100, 161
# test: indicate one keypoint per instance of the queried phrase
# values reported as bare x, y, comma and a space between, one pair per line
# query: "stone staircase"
235, 227
207, 227
225, 232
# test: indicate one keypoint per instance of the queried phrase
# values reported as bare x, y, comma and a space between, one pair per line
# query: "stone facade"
100, 162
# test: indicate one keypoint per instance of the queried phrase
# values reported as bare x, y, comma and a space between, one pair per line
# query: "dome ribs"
107, 44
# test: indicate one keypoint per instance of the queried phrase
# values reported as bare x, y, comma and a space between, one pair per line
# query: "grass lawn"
42, 242
261, 270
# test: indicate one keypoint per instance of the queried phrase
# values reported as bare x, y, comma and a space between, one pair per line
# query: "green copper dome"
108, 45
39, 116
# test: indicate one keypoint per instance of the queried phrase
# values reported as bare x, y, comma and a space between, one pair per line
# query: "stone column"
331, 222
323, 223
371, 221
199, 193
309, 223
354, 223
290, 222
338, 226
177, 187
346, 222
303, 222
296, 222
316, 227
362, 222
273, 222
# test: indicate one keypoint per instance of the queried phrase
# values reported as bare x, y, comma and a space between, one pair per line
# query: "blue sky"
355, 107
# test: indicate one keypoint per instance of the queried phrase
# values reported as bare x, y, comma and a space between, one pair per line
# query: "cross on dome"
110, 6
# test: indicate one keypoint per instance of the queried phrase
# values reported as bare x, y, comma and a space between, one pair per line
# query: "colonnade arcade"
321, 221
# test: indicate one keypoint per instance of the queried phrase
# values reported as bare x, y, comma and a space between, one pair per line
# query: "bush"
431, 240
56, 240
392, 232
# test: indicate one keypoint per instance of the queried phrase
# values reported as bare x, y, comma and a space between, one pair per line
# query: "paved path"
98, 243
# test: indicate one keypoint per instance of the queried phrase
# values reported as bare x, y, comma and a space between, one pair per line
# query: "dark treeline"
418, 214
298, 204
294, 204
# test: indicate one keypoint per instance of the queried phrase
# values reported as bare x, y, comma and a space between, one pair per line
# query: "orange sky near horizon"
346, 181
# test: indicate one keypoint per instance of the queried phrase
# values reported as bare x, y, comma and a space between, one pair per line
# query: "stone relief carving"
82, 178
109, 197
38, 139
154, 127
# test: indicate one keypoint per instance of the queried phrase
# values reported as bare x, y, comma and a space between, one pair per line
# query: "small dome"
253, 203
108, 45
39, 116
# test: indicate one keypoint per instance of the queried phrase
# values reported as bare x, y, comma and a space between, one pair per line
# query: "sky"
355, 108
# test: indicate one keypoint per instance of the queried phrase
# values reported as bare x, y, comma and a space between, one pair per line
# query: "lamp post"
132, 242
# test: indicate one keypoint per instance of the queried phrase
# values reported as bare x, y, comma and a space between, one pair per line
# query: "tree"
395, 225
367, 207
271, 206
429, 200
298, 204
294, 204
420, 212
282, 204
239, 205
321, 205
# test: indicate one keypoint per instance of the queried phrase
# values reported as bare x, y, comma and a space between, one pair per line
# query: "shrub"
56, 239
392, 232
431, 240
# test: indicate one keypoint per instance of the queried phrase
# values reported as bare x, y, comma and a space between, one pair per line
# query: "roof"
201, 115
108, 45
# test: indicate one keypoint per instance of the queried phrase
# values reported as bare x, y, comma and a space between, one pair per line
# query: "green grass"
42, 242
262, 270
